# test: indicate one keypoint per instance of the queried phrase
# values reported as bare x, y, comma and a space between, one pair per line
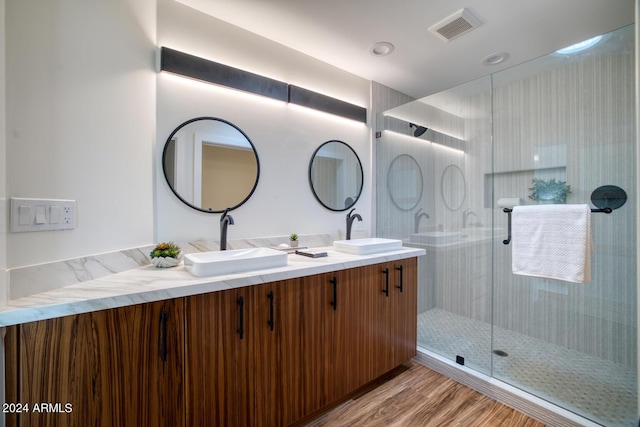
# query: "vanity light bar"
202, 69
186, 65
317, 101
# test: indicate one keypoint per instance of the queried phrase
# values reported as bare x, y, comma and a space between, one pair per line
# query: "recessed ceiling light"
583, 45
495, 58
381, 49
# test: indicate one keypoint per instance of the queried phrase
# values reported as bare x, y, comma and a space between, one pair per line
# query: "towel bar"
509, 210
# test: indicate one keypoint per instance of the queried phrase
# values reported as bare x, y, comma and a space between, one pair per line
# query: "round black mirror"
210, 164
335, 175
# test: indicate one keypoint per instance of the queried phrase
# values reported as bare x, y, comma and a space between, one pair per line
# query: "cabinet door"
316, 295
344, 367
218, 377
55, 363
112, 367
376, 321
140, 360
354, 329
404, 310
292, 317
271, 325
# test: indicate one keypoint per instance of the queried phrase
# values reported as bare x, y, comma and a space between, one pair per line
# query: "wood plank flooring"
418, 397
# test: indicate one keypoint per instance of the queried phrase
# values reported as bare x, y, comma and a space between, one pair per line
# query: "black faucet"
225, 221
416, 219
350, 219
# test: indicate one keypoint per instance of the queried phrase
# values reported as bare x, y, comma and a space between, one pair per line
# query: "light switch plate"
42, 214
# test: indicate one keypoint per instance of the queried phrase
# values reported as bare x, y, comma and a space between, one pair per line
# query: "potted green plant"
165, 255
293, 240
549, 191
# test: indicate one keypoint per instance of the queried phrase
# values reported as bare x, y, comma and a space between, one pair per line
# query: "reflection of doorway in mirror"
325, 180
170, 163
228, 174
181, 170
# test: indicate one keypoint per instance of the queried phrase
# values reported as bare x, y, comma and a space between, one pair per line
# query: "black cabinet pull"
270, 321
240, 329
334, 302
163, 336
386, 281
400, 270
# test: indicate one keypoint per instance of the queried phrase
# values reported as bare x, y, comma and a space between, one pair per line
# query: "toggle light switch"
41, 217
54, 215
24, 215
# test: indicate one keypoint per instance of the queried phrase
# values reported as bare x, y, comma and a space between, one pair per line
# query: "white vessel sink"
234, 261
367, 246
436, 237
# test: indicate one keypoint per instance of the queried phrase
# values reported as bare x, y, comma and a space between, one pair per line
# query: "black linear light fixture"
317, 101
202, 69
187, 65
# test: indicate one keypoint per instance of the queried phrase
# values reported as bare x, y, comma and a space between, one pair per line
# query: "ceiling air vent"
455, 25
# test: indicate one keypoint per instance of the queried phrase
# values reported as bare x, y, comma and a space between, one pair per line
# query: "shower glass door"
567, 122
446, 167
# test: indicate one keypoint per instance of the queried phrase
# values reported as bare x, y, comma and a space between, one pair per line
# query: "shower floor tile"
597, 389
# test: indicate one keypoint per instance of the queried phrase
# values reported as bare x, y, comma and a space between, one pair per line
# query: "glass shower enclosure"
448, 165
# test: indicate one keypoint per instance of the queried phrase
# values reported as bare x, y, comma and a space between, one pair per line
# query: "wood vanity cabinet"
114, 367
265, 355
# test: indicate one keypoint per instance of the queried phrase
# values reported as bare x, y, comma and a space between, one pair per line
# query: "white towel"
552, 241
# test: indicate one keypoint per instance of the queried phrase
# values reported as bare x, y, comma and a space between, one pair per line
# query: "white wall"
81, 121
285, 136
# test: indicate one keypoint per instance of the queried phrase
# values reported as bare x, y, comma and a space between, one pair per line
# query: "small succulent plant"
165, 250
293, 237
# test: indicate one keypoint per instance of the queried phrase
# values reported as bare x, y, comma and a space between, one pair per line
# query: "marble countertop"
148, 284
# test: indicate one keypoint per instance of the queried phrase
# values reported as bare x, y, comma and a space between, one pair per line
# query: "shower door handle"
386, 282
400, 270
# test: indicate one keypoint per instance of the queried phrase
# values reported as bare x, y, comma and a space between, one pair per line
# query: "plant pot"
165, 262
293, 243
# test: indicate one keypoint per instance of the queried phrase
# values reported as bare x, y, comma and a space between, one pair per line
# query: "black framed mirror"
405, 182
210, 164
335, 175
